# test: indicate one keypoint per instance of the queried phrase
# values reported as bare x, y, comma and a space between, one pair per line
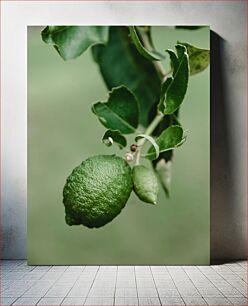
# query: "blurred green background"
62, 131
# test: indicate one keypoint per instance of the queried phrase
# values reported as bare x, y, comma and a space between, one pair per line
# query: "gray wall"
228, 105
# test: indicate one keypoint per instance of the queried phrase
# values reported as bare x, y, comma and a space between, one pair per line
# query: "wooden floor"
123, 285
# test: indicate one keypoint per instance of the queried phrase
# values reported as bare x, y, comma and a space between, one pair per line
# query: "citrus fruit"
145, 184
97, 190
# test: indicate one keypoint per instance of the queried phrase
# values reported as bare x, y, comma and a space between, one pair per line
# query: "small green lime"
145, 184
97, 190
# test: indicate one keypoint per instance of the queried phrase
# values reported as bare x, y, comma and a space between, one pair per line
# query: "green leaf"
149, 54
173, 90
120, 112
163, 170
111, 136
167, 121
189, 27
151, 140
121, 64
72, 41
199, 59
174, 61
162, 165
169, 139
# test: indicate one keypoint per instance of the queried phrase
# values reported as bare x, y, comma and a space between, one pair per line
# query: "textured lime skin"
97, 190
145, 184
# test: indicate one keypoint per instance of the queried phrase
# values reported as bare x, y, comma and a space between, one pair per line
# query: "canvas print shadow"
224, 229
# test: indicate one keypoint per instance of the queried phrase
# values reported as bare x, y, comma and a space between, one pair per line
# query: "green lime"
145, 184
97, 190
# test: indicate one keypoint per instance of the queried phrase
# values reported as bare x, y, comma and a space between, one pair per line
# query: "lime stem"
157, 64
151, 127
157, 119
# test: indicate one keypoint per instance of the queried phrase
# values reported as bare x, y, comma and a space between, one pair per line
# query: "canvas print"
118, 145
